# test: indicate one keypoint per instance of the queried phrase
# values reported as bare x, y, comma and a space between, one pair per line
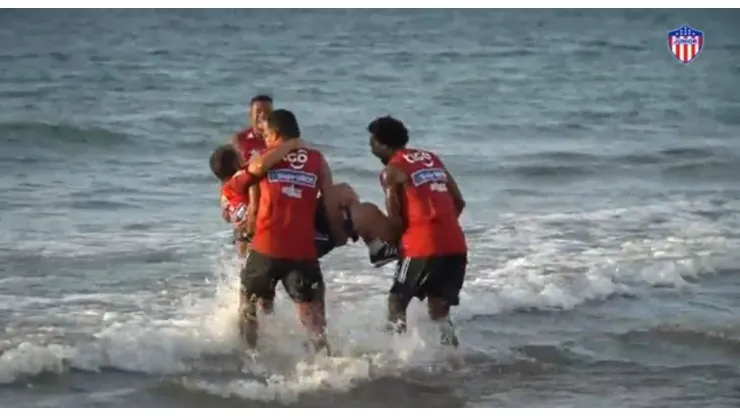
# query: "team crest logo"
685, 43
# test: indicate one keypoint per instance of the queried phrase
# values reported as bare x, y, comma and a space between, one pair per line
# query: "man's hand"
242, 225
259, 164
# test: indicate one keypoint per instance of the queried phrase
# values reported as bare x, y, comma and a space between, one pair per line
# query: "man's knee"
370, 222
397, 305
312, 314
248, 305
345, 195
438, 308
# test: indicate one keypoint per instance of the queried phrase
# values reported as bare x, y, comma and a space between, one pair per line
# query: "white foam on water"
523, 261
138, 343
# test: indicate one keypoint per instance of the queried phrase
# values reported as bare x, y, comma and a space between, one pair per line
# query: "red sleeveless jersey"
250, 142
288, 199
235, 195
430, 217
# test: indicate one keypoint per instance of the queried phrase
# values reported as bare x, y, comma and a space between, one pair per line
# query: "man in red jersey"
283, 247
250, 140
363, 219
423, 204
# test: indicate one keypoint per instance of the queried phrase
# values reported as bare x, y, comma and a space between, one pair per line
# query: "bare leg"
242, 248
248, 324
312, 316
368, 222
372, 226
439, 312
397, 306
335, 199
267, 306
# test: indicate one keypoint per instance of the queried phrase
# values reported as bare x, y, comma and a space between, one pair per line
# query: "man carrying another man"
338, 216
423, 203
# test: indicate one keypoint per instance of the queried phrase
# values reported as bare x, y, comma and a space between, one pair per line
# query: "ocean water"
601, 176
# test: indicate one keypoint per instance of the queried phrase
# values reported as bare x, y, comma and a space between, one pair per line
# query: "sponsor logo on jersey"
423, 176
290, 176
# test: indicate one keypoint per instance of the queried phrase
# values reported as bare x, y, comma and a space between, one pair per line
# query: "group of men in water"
279, 195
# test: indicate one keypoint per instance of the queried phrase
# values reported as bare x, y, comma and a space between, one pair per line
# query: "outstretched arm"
260, 164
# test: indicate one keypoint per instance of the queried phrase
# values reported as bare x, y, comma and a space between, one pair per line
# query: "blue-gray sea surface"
601, 176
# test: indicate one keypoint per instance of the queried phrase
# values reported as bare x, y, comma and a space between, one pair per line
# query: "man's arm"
331, 203
259, 164
455, 192
254, 202
394, 181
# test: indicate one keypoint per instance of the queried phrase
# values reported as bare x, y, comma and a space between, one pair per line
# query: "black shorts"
438, 276
303, 280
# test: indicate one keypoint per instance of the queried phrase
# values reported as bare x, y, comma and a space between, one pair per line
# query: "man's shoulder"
247, 133
234, 139
313, 150
393, 174
251, 133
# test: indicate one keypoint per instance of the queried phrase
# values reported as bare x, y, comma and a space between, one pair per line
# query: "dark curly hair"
389, 131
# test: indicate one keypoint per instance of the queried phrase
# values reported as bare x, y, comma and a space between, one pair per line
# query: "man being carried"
423, 203
225, 164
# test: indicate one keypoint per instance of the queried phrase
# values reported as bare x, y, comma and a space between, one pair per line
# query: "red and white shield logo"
685, 43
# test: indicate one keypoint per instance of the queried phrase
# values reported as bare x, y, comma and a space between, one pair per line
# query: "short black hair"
389, 131
262, 98
224, 162
284, 123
